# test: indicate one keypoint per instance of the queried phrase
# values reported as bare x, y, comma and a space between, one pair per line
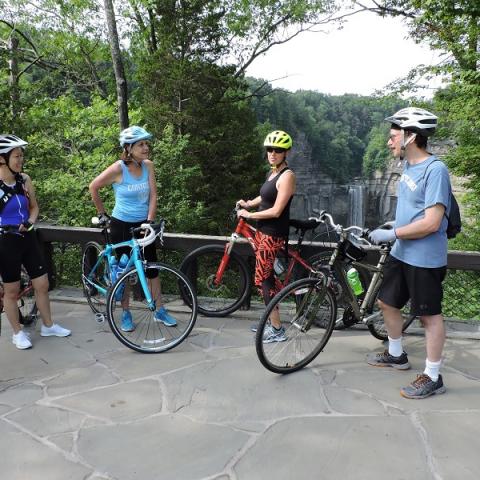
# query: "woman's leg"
10, 304
40, 286
267, 250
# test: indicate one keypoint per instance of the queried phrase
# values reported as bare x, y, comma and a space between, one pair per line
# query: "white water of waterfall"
356, 211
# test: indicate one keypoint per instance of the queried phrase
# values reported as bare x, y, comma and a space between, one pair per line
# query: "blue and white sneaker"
161, 315
127, 322
271, 334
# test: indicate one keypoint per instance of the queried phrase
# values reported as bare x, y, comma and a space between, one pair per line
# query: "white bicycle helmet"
133, 134
415, 119
9, 142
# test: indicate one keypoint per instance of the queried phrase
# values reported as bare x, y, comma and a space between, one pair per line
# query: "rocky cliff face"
365, 202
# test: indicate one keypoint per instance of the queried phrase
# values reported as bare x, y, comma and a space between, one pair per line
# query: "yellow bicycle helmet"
278, 139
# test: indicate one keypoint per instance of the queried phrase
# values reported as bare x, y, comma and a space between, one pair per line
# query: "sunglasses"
276, 150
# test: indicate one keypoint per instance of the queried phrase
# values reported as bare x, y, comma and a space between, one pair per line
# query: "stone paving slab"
86, 407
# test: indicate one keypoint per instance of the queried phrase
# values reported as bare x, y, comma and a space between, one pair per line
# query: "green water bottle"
354, 281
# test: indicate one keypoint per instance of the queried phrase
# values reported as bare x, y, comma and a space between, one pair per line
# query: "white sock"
432, 369
395, 346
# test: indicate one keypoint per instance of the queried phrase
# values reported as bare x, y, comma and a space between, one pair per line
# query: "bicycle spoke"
307, 312
152, 328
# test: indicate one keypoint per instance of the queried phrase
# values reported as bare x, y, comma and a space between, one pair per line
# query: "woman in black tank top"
272, 215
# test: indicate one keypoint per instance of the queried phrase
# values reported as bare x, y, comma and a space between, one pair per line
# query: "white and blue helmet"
9, 142
133, 134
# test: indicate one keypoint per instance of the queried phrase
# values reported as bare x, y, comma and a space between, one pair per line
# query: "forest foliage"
184, 65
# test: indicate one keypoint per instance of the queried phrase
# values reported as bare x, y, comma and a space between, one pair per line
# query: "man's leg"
429, 298
394, 356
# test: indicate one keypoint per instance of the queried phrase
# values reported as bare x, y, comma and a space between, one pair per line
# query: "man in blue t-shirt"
417, 265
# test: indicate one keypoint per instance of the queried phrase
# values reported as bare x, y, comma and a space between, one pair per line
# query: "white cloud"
366, 55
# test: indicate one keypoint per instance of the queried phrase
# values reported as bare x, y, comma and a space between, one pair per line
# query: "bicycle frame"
135, 260
246, 230
360, 311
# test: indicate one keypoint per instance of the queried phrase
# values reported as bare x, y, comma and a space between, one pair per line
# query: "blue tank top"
16, 210
132, 196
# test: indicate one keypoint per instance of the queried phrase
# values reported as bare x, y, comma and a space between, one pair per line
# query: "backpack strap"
423, 178
7, 192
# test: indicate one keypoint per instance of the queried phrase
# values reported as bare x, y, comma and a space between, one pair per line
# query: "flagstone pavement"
87, 408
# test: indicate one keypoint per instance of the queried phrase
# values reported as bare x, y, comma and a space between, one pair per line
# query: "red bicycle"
222, 278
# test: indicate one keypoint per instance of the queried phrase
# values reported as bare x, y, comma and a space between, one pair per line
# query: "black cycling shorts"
17, 250
120, 232
423, 286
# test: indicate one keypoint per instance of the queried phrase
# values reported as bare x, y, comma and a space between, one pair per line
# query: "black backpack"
454, 226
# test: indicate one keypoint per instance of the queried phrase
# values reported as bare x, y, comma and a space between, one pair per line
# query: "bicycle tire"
96, 299
377, 326
320, 262
149, 334
200, 266
27, 306
307, 312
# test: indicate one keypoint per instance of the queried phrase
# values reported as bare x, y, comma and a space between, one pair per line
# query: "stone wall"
316, 191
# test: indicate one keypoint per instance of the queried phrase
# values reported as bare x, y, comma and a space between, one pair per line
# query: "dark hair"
126, 156
6, 155
420, 141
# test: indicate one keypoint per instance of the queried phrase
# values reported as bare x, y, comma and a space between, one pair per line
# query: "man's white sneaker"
54, 331
21, 340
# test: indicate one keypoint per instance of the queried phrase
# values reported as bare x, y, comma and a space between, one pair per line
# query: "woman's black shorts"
423, 286
17, 250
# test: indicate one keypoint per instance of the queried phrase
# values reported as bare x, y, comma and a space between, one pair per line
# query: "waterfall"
356, 210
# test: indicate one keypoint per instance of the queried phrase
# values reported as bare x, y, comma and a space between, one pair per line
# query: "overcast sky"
360, 58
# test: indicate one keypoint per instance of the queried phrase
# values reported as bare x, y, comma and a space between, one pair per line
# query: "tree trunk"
120, 80
13, 76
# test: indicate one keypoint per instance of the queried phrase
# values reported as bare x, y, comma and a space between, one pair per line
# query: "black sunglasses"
276, 150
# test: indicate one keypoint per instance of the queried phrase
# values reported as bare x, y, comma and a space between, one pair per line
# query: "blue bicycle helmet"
133, 134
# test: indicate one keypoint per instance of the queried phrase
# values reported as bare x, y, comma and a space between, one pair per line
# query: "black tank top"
275, 227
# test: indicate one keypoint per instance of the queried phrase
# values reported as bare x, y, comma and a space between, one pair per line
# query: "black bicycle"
308, 307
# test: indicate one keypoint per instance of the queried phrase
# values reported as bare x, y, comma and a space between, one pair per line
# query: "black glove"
103, 218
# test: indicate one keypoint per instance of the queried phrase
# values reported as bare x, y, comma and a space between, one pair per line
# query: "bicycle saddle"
304, 225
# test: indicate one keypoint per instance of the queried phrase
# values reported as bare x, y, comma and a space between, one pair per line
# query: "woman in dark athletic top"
273, 215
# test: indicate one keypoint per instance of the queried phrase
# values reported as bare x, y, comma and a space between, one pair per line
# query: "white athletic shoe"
21, 340
54, 331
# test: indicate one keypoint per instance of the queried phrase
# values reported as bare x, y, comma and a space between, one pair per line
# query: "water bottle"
121, 268
354, 281
122, 264
113, 268
279, 266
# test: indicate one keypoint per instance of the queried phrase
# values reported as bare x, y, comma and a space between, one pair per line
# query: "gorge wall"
363, 201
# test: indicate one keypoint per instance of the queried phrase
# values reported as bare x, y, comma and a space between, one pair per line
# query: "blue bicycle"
144, 303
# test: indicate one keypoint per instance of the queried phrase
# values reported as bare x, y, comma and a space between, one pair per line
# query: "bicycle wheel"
99, 278
345, 316
307, 313
27, 307
376, 323
201, 265
149, 334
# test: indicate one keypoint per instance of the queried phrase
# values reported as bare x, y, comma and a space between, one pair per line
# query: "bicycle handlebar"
361, 236
153, 231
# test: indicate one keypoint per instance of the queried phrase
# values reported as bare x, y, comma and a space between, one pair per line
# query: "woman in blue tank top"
133, 181
18, 243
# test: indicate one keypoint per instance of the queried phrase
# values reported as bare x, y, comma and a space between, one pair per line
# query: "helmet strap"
405, 144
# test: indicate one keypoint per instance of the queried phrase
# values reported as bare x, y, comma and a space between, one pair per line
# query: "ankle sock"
432, 369
395, 346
